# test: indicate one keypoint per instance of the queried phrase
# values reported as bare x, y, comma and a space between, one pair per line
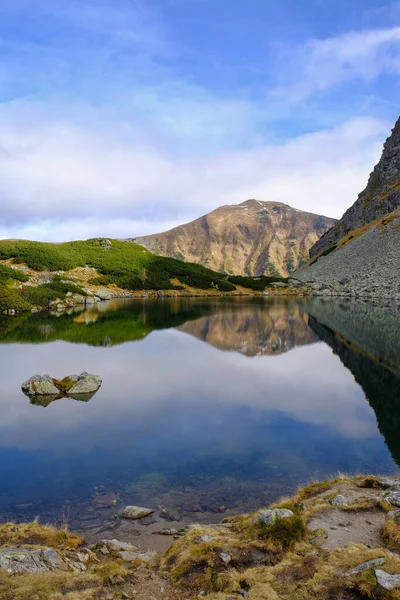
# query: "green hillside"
128, 265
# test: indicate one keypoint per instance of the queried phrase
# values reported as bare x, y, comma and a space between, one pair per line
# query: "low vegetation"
36, 534
287, 559
256, 283
127, 265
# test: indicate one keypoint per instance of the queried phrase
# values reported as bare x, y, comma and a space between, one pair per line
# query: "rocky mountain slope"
360, 254
252, 238
380, 197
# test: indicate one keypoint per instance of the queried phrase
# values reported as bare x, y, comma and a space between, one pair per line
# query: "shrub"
283, 533
256, 283
9, 273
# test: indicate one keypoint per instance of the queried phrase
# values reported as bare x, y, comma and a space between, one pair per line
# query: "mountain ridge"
253, 238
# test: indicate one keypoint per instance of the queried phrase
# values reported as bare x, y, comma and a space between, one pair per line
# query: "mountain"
380, 197
253, 238
360, 254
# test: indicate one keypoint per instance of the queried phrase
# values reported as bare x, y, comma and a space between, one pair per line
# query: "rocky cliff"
252, 238
380, 197
360, 254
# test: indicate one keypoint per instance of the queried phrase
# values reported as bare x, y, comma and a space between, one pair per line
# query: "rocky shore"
336, 539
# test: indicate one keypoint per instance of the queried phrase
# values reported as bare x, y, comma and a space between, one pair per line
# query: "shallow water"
208, 407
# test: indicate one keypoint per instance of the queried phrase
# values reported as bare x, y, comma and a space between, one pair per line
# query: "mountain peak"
255, 238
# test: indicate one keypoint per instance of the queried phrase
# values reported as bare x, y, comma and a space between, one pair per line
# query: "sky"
120, 118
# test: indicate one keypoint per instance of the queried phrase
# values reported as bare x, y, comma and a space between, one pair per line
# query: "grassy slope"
127, 265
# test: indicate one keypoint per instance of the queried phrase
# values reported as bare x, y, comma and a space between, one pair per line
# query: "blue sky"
126, 117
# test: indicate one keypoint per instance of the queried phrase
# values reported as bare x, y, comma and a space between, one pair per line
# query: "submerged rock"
136, 512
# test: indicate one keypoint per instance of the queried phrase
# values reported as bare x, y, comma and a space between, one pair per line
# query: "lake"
208, 407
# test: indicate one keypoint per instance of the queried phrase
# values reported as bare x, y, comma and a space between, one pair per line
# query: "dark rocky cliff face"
380, 197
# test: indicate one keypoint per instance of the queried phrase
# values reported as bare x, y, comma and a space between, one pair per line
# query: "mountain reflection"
261, 327
366, 339
256, 329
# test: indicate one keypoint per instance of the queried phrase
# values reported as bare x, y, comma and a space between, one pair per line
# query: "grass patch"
113, 568
283, 534
391, 534
34, 533
48, 586
369, 482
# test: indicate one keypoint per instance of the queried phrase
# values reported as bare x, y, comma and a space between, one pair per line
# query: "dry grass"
36, 534
48, 586
369, 482
391, 534
302, 576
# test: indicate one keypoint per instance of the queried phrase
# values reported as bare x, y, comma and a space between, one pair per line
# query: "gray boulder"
86, 384
339, 500
21, 560
116, 546
146, 557
270, 516
393, 498
387, 581
136, 512
78, 299
104, 294
375, 562
40, 385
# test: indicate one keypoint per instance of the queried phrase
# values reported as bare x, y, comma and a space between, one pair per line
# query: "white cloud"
320, 64
60, 180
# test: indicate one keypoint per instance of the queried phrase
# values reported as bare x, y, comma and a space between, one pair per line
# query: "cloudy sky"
125, 117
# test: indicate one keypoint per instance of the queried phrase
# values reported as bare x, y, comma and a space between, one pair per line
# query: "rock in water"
136, 512
40, 385
86, 384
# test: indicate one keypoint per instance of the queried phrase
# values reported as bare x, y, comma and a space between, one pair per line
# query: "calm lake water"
207, 407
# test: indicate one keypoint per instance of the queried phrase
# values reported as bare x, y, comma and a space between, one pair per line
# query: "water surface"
207, 407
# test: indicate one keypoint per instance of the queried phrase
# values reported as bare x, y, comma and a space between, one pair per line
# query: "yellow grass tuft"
36, 534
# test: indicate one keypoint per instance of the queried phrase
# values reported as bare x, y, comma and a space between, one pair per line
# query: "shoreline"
338, 538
